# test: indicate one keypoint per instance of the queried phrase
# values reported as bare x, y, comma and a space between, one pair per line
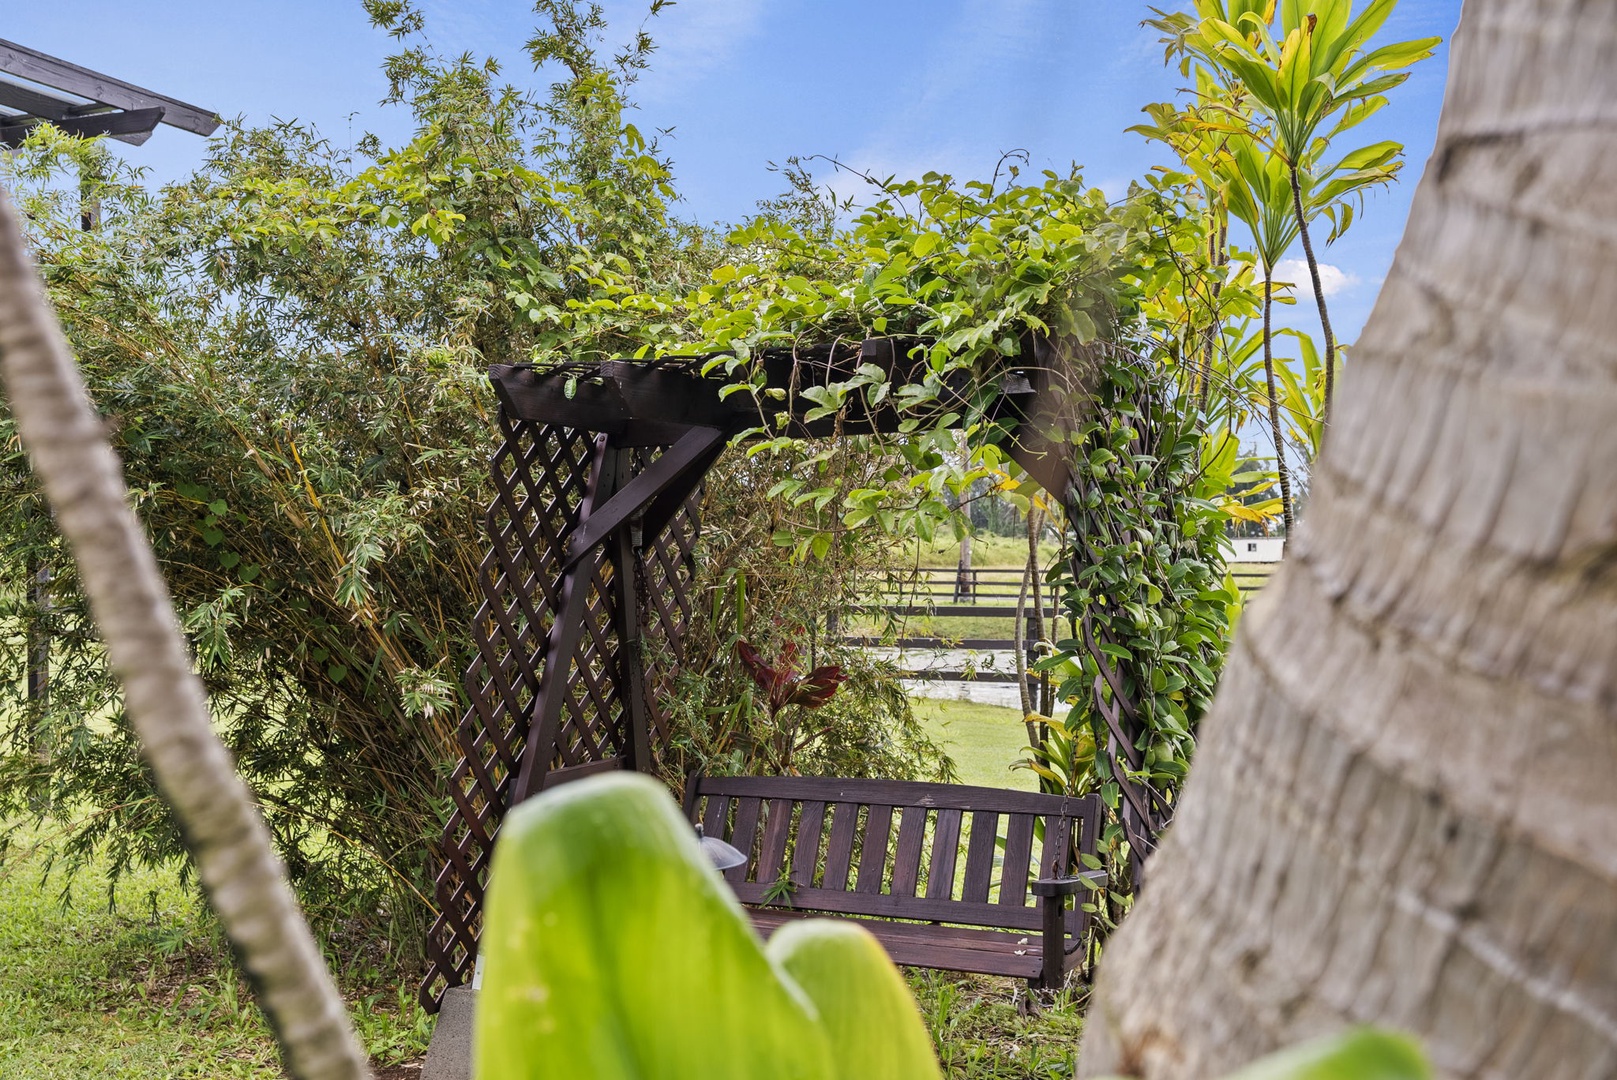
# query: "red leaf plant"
782, 683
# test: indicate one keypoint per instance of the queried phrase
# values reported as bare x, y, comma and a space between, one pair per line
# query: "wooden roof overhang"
36, 87
667, 401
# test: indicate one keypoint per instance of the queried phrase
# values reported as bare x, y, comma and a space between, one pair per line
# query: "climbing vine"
975, 274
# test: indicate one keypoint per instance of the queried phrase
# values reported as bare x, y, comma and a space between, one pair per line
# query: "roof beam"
58, 74
33, 102
617, 395
134, 126
1037, 401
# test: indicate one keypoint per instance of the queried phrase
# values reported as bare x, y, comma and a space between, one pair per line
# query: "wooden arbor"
591, 559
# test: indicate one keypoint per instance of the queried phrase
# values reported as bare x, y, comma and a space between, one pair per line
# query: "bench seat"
1017, 955
945, 876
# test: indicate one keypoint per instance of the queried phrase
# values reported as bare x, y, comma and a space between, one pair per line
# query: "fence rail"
984, 593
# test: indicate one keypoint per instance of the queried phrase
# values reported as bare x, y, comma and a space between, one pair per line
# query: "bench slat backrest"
893, 848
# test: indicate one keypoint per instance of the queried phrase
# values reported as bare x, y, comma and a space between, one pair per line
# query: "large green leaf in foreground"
866, 1009
614, 951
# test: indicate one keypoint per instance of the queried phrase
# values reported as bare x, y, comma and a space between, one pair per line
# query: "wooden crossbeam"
58, 74
623, 397
649, 403
695, 448
33, 103
133, 127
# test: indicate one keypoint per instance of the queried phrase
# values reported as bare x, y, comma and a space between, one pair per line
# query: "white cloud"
693, 39
1333, 280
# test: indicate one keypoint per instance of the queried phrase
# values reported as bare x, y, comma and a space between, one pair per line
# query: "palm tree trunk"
1274, 400
83, 480
1403, 810
1319, 295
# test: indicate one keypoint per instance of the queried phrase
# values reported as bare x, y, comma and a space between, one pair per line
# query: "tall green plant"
1310, 82
1258, 192
289, 347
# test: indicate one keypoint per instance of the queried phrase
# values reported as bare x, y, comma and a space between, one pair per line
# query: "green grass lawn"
143, 989
982, 739
947, 627
986, 551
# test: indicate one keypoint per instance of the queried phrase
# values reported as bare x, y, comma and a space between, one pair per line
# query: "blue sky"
889, 86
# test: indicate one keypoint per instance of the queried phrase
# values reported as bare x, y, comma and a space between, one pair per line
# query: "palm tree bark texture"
1404, 809
163, 698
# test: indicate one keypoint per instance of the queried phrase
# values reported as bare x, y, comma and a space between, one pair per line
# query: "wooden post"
1055, 941
624, 549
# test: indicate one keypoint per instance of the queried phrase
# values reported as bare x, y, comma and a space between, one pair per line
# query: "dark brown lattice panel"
547, 478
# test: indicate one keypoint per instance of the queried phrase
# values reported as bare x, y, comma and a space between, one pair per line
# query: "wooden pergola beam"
655, 403
695, 451
71, 78
133, 127
634, 398
33, 103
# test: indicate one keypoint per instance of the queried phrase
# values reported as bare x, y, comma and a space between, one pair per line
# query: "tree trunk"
83, 480
1319, 296
962, 573
1028, 629
1404, 809
1274, 400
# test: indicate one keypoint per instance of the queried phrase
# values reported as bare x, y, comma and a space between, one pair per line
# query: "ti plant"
783, 686
1306, 83
782, 683
614, 951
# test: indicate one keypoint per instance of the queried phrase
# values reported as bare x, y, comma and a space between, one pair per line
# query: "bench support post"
1055, 942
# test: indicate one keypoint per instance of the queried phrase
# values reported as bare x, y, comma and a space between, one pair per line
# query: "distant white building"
1259, 548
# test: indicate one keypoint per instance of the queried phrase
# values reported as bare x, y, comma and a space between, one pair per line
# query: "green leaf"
614, 951
1362, 1054
870, 1019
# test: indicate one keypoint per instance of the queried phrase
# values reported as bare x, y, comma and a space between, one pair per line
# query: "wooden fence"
986, 593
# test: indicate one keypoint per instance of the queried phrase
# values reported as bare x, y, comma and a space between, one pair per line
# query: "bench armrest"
1068, 886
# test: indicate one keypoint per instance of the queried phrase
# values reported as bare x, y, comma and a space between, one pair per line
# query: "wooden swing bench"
819, 847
